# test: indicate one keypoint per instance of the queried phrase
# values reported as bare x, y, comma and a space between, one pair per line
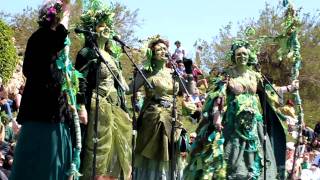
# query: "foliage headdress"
148, 49
95, 12
238, 43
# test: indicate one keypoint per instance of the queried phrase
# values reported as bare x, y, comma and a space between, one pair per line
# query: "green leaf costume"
237, 152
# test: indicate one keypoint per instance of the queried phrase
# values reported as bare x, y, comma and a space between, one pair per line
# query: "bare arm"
66, 13
217, 113
289, 88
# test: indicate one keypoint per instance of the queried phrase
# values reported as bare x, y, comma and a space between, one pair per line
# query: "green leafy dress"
114, 124
154, 127
237, 152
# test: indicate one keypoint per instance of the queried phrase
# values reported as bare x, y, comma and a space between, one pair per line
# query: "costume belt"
104, 93
163, 103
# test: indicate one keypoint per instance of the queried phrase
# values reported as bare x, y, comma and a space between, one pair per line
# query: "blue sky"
184, 20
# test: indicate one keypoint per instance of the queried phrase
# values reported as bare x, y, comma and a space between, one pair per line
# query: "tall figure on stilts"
233, 140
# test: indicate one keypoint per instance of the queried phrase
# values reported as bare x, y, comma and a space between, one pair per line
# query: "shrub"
8, 54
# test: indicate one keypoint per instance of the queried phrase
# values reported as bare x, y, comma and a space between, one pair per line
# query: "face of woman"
241, 56
160, 51
103, 30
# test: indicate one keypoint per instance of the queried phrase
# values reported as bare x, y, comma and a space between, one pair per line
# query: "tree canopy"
25, 23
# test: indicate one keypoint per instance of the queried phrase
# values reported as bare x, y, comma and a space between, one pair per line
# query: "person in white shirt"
179, 53
313, 173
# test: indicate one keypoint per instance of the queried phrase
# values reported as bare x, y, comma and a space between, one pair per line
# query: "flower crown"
50, 11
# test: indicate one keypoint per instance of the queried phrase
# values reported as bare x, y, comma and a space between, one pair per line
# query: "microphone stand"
175, 75
265, 82
133, 100
95, 130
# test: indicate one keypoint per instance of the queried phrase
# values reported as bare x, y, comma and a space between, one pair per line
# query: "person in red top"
196, 73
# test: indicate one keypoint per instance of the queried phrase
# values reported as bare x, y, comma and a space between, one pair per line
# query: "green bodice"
106, 79
163, 85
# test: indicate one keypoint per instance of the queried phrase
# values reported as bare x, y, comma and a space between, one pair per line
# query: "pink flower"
52, 10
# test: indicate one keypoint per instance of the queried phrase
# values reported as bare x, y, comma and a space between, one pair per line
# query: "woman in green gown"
230, 139
113, 153
152, 153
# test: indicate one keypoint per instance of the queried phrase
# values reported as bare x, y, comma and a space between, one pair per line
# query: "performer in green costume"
154, 122
113, 155
230, 138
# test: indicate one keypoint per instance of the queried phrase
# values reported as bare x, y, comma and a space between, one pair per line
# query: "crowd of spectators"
10, 98
306, 150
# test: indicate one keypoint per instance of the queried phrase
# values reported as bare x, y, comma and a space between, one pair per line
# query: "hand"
83, 115
295, 84
3, 101
66, 13
72, 108
219, 127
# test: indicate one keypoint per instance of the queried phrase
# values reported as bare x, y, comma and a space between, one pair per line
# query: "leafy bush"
8, 55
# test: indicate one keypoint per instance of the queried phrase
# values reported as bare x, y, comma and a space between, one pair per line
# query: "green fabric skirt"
153, 143
113, 155
43, 152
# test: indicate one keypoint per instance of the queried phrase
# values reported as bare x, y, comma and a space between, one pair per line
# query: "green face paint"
160, 51
241, 56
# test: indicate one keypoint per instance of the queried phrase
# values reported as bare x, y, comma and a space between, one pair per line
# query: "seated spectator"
181, 69
4, 146
305, 164
19, 96
15, 127
193, 136
289, 161
313, 173
197, 72
308, 133
2, 169
190, 109
5, 102
315, 144
4, 174
9, 135
316, 160
316, 129
139, 101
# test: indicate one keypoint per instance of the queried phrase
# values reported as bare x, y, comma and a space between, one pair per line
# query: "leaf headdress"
238, 43
147, 50
94, 13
